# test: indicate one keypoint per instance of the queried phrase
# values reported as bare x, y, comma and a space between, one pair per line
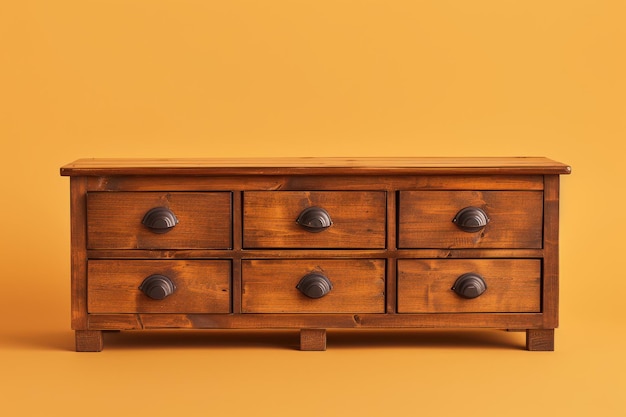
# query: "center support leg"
312, 339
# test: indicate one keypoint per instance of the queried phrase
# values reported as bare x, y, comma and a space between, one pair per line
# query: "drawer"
356, 286
426, 219
120, 220
512, 285
356, 219
198, 286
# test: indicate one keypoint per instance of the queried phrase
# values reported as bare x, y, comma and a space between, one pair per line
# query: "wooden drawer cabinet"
312, 244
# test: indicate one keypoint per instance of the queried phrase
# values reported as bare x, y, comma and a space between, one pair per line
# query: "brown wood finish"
315, 253
89, 340
114, 220
551, 253
269, 286
201, 286
515, 321
425, 219
236, 254
392, 253
313, 339
424, 286
540, 339
391, 283
316, 166
270, 219
314, 182
78, 223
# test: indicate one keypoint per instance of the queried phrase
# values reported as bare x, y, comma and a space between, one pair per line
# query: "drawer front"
515, 219
115, 220
269, 286
199, 286
270, 219
512, 285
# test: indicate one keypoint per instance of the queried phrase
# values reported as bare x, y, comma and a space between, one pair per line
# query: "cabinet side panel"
550, 306
78, 222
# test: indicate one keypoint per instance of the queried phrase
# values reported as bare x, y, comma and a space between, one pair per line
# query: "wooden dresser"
312, 244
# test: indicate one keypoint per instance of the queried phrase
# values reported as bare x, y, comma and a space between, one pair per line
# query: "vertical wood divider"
391, 251
237, 248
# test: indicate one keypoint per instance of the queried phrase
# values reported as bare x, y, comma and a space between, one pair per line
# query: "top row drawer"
196, 220
500, 219
294, 219
203, 220
313, 219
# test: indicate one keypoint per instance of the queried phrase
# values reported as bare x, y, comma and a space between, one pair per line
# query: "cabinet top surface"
315, 166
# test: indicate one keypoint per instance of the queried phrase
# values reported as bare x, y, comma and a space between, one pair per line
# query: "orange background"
157, 78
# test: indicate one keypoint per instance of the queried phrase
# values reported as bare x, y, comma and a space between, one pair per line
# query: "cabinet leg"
540, 339
312, 339
89, 340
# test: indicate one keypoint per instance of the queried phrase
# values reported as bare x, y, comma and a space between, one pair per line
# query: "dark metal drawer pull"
314, 219
157, 287
471, 219
160, 220
314, 285
470, 285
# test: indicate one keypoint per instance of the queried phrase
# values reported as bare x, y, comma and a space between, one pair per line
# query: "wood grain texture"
247, 182
115, 220
359, 219
424, 286
425, 219
201, 286
322, 166
518, 321
313, 253
269, 286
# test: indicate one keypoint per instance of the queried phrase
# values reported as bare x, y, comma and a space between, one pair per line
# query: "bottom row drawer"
268, 286
510, 285
314, 286
198, 286
279, 286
